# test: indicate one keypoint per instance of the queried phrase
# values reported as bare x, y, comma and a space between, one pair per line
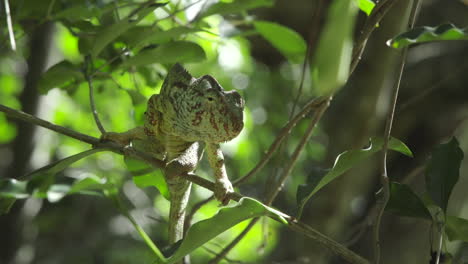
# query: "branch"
384, 180
285, 131
20, 115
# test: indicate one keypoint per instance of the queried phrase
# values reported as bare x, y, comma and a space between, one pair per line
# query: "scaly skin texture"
187, 111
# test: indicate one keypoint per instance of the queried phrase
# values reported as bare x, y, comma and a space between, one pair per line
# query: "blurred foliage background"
432, 107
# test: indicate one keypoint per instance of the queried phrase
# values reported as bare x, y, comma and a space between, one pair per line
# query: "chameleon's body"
188, 111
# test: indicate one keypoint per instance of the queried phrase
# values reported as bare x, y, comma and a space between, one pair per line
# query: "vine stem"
292, 223
384, 179
86, 71
10, 25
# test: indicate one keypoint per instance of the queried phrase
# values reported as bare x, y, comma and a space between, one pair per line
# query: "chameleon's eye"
210, 98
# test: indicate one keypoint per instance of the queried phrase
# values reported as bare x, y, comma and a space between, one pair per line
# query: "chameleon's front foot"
222, 188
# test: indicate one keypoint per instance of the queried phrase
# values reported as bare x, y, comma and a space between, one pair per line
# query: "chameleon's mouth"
236, 111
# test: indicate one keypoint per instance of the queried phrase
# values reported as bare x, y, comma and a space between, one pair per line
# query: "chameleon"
185, 114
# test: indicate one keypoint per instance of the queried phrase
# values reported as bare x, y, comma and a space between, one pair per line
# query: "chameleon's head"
198, 109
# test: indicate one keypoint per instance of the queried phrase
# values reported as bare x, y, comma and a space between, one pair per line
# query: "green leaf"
330, 68
6, 204
172, 52
443, 171
344, 162
11, 188
203, 231
41, 181
147, 176
155, 179
59, 75
427, 34
141, 36
284, 39
62, 164
109, 33
237, 6
456, 228
366, 6
77, 12
90, 182
404, 202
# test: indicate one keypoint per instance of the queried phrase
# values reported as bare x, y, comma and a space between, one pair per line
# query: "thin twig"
429, 90
220, 256
10, 25
293, 224
371, 23
305, 138
312, 104
88, 65
313, 34
384, 180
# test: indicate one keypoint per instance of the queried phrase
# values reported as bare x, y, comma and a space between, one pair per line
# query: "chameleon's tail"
180, 193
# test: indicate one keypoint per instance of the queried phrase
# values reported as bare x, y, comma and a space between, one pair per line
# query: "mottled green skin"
187, 111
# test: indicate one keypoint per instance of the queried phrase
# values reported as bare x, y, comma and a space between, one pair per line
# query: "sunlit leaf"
146, 176
344, 162
286, 40
330, 67
366, 6
443, 171
109, 33
59, 75
456, 228
237, 6
172, 52
404, 202
154, 179
203, 231
427, 34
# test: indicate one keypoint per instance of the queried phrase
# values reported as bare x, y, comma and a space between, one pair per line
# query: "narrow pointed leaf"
349, 159
285, 40
404, 202
443, 171
40, 181
427, 34
205, 230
